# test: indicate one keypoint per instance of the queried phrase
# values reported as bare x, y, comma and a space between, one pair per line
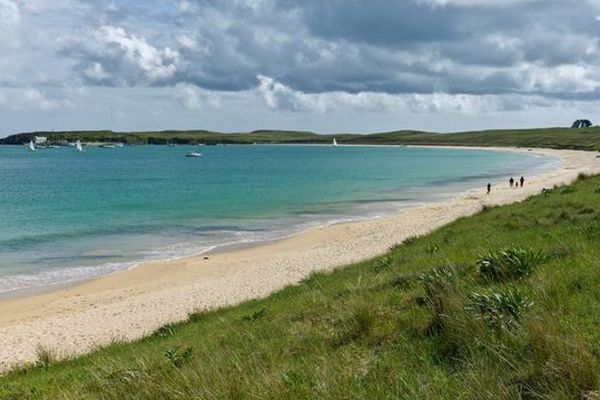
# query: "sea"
68, 216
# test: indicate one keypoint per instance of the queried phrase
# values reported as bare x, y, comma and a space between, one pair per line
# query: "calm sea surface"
68, 216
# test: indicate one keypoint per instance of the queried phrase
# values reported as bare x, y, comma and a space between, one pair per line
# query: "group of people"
512, 182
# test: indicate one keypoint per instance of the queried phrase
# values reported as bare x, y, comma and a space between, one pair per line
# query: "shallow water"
70, 216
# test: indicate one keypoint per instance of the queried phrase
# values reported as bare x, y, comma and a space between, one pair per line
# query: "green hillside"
584, 139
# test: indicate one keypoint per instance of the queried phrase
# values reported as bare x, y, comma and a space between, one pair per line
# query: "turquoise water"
68, 216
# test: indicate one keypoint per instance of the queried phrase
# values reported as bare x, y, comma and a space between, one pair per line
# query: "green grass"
413, 324
582, 139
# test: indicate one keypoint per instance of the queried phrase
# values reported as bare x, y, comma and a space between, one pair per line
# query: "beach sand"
132, 304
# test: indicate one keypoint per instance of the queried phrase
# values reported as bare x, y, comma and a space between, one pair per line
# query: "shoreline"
451, 189
130, 304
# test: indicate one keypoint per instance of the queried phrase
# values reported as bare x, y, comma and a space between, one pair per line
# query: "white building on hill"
40, 140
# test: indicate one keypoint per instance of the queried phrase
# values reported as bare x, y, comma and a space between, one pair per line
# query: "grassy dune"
501, 305
582, 139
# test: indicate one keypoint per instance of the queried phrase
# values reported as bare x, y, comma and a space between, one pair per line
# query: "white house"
40, 139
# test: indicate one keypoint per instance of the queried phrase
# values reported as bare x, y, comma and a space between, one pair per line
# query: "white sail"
31, 146
78, 145
334, 142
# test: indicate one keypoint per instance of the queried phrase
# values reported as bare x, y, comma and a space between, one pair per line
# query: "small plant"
409, 240
176, 357
502, 310
597, 190
358, 326
256, 315
583, 176
436, 280
510, 263
403, 281
567, 190
165, 331
45, 358
547, 192
382, 264
395, 247
123, 375
433, 248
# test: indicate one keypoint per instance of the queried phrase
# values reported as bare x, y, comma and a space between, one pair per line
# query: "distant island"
584, 138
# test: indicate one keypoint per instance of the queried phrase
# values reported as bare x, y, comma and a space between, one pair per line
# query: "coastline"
131, 304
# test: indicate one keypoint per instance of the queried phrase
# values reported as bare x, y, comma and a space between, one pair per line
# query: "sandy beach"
129, 305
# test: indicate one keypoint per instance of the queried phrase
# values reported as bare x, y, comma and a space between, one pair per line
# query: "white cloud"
281, 97
194, 98
156, 64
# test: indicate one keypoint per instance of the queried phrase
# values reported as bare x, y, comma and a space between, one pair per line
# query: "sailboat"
334, 142
30, 145
78, 146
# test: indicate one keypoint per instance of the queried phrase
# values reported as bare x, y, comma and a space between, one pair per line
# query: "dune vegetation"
501, 305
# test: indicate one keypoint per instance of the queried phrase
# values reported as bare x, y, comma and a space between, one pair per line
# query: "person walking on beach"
489, 188
522, 181
511, 181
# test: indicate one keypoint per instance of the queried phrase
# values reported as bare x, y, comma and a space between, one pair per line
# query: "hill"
581, 139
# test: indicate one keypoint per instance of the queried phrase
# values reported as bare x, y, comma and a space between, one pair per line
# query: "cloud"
191, 97
304, 58
281, 97
112, 56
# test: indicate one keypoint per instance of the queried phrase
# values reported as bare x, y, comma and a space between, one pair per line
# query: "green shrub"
255, 315
433, 248
165, 331
547, 192
567, 190
437, 280
439, 295
410, 240
382, 264
176, 357
510, 263
45, 358
358, 326
403, 280
501, 310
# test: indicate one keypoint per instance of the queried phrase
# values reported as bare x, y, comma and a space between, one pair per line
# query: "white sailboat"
30, 145
78, 146
334, 142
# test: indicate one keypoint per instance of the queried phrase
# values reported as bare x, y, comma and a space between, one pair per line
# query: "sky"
322, 65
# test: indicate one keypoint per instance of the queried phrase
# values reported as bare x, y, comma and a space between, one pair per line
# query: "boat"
78, 146
334, 142
193, 154
108, 146
30, 145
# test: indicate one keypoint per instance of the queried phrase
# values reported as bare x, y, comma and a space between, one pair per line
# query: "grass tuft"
508, 264
176, 357
500, 310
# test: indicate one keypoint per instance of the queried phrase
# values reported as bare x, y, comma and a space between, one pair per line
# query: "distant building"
40, 140
582, 123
